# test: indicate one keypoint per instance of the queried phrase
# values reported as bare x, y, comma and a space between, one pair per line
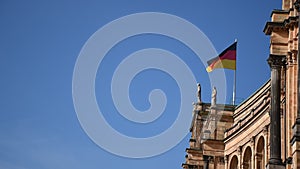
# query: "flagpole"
234, 81
234, 88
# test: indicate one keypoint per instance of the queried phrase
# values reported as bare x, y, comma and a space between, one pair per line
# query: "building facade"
206, 144
264, 130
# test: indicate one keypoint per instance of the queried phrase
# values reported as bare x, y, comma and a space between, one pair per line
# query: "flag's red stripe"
213, 64
230, 55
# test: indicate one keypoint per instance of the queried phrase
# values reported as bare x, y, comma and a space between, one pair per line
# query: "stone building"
264, 130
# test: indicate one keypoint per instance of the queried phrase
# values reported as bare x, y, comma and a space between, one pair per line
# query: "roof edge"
253, 94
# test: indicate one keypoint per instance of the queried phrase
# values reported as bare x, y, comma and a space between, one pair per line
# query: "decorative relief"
276, 61
252, 141
297, 5
265, 130
221, 160
226, 159
239, 150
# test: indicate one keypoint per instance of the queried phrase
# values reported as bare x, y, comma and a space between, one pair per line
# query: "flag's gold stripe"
224, 63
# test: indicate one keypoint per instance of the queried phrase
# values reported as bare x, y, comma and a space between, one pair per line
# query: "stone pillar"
256, 157
275, 62
240, 158
226, 161
206, 162
295, 141
253, 159
265, 131
296, 126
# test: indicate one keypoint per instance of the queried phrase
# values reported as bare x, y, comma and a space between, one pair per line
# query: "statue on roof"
199, 93
214, 97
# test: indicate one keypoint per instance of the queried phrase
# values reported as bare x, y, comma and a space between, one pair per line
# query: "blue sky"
41, 41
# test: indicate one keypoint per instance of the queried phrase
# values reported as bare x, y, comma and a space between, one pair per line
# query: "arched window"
234, 162
247, 158
260, 153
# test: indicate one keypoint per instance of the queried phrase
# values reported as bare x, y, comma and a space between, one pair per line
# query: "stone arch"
234, 162
247, 158
260, 153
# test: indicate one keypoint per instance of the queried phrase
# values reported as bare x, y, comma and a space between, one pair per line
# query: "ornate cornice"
297, 5
270, 26
291, 21
283, 25
279, 11
261, 108
276, 61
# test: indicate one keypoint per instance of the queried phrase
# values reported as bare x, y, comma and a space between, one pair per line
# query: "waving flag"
226, 60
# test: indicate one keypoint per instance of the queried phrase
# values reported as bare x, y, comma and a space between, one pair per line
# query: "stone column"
275, 62
226, 161
295, 141
256, 157
253, 159
265, 131
296, 126
206, 162
240, 158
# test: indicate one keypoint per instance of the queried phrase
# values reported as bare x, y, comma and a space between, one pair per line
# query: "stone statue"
214, 97
199, 92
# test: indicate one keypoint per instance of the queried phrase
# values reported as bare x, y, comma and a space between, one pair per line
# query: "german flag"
226, 60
